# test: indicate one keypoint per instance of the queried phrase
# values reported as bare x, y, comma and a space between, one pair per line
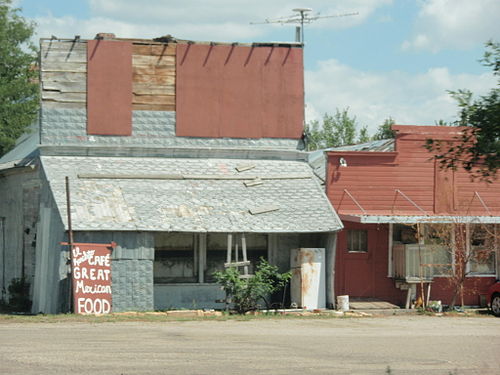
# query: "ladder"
237, 263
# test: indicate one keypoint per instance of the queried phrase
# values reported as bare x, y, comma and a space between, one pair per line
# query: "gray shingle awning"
190, 195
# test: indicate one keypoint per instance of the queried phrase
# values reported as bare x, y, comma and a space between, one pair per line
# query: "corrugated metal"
211, 204
239, 91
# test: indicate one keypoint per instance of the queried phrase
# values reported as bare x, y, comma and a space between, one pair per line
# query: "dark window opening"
357, 240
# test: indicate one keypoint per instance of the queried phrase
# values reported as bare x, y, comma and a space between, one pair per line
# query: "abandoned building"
169, 147
178, 150
404, 217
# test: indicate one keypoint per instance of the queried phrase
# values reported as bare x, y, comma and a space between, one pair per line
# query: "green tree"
363, 135
18, 87
384, 130
336, 130
477, 149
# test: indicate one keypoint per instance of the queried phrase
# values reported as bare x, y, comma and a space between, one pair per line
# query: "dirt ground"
404, 344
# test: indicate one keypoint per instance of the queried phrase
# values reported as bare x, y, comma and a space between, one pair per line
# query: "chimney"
105, 36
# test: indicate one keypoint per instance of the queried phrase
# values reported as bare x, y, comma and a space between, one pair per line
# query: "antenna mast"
301, 17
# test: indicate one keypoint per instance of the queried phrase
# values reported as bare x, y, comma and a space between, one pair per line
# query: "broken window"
483, 249
404, 233
357, 240
217, 252
175, 258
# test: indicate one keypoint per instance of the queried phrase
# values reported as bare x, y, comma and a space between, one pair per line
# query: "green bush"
245, 293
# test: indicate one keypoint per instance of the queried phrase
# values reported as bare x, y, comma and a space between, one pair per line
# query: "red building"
401, 212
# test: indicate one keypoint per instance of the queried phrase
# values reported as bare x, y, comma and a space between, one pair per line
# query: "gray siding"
20, 194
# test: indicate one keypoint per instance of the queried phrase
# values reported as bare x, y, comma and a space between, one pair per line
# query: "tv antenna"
301, 17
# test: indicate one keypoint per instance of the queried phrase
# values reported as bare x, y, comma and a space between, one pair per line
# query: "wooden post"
70, 243
244, 250
229, 247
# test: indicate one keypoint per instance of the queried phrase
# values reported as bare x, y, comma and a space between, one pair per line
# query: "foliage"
336, 130
477, 148
18, 87
363, 136
384, 130
245, 293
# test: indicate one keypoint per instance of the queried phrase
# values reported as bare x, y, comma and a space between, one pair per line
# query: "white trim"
387, 219
390, 265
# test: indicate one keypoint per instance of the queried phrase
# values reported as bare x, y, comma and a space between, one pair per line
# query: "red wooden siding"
365, 274
474, 287
372, 178
109, 87
238, 91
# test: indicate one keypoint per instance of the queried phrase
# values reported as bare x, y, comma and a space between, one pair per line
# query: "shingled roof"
190, 195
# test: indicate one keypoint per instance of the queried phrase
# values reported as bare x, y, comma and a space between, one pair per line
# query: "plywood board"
153, 107
154, 99
109, 85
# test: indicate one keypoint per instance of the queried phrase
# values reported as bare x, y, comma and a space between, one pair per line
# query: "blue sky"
396, 58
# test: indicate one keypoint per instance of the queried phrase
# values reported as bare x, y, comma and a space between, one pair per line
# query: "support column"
330, 254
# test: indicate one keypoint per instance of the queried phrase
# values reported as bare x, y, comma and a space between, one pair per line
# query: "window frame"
350, 233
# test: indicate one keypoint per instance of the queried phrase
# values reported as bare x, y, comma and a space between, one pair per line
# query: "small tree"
337, 130
470, 248
384, 130
363, 135
245, 293
18, 87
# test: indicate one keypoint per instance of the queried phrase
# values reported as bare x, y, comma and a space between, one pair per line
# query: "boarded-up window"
239, 92
109, 87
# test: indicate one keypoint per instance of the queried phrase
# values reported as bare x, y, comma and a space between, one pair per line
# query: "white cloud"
418, 99
218, 20
457, 24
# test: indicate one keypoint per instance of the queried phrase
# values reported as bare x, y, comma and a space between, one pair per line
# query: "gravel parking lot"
405, 344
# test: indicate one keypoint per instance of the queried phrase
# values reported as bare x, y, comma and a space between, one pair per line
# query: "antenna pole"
303, 19
302, 26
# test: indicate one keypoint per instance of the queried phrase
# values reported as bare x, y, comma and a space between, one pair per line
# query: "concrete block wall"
131, 268
63, 126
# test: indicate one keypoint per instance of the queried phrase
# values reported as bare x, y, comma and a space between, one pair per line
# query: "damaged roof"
190, 195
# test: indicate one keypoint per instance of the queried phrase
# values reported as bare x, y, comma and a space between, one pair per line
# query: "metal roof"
317, 159
190, 195
381, 145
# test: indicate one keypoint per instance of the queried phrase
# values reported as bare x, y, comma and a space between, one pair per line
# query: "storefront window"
174, 258
217, 251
